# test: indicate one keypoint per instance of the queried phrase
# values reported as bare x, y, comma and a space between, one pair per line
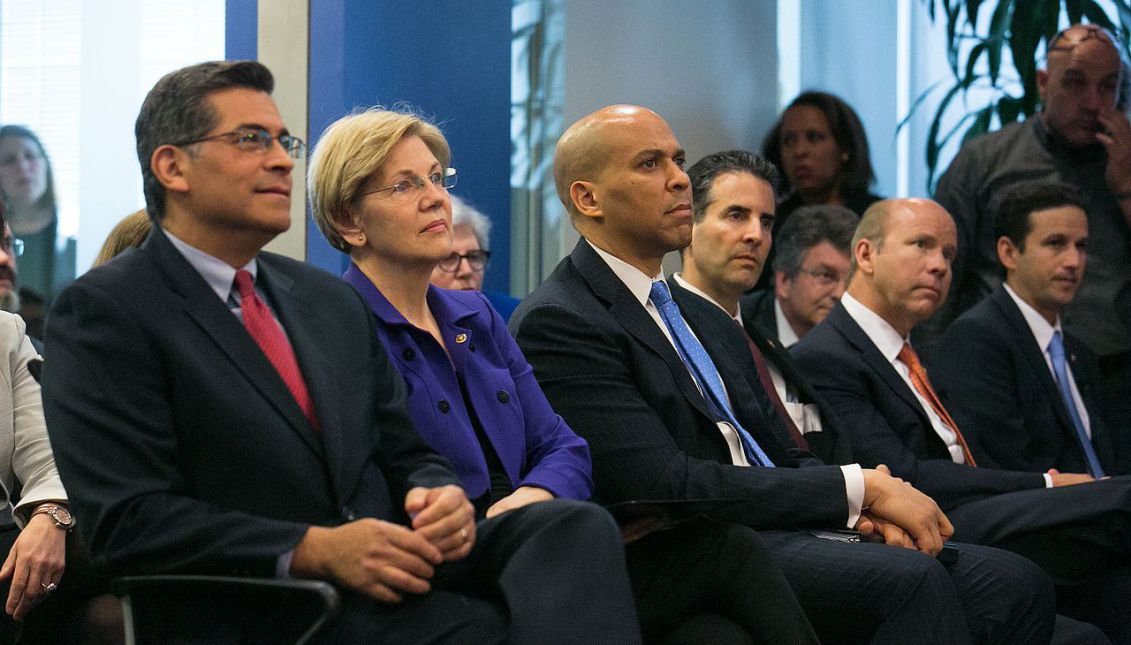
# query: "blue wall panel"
448, 59
241, 29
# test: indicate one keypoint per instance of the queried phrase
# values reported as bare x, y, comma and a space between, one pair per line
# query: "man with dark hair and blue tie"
664, 388
1021, 388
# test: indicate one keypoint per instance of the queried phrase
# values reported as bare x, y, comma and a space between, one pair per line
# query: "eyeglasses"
1078, 34
824, 277
12, 246
477, 260
445, 179
255, 140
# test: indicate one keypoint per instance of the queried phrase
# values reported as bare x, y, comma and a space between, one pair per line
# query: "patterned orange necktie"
919, 380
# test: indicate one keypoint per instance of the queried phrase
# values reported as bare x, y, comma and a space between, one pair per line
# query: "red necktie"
919, 380
269, 336
772, 392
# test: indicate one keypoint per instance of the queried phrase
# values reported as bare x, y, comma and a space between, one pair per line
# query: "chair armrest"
182, 608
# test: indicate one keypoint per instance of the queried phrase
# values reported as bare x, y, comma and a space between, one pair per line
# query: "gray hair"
464, 214
807, 227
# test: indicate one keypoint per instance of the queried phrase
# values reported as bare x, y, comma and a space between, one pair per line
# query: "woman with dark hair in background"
28, 187
821, 148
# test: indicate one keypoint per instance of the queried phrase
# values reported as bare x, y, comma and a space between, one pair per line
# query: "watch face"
62, 516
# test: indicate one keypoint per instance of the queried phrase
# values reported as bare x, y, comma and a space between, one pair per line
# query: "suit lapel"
1034, 356
843, 323
631, 315
224, 329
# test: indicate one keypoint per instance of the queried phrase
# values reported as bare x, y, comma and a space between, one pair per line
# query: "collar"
786, 336
1061, 149
217, 273
878, 330
444, 306
1042, 330
699, 292
637, 282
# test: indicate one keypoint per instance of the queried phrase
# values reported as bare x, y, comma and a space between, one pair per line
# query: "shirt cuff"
854, 490
283, 565
1048, 480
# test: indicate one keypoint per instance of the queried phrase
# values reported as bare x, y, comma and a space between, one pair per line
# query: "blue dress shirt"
535, 446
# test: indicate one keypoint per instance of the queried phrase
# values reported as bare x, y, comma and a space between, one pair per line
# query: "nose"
463, 269
839, 287
678, 181
433, 196
755, 232
278, 159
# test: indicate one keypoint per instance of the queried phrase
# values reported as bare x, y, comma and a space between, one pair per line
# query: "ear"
782, 284
865, 254
1007, 253
1042, 83
169, 164
350, 230
584, 197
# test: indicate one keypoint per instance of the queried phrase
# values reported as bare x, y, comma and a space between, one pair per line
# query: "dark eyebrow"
260, 126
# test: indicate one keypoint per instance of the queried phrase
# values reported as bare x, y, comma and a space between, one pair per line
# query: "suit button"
444, 406
409, 353
503, 396
348, 514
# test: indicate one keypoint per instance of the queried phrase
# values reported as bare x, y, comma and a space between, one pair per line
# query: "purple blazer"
535, 446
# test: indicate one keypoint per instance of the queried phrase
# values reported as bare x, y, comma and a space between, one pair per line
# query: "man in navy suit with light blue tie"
1023, 390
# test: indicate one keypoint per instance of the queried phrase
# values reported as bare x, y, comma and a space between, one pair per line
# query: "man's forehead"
244, 106
1091, 56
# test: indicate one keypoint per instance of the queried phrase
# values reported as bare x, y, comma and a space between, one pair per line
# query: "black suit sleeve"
113, 433
976, 376
586, 372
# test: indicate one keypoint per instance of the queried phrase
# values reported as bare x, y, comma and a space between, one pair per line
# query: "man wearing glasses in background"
1082, 137
810, 273
463, 270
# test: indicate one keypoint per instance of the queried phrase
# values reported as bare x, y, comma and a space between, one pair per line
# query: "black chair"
182, 609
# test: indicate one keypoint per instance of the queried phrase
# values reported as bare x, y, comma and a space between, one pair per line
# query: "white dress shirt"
786, 335
889, 342
1042, 332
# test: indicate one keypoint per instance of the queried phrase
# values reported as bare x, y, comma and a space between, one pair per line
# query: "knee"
586, 517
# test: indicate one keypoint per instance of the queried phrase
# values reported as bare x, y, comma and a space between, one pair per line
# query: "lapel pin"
461, 338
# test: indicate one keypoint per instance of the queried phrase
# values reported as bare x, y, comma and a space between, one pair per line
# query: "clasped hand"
386, 560
901, 515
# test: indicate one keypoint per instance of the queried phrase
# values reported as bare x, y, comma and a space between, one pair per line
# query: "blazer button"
444, 406
409, 353
503, 396
348, 514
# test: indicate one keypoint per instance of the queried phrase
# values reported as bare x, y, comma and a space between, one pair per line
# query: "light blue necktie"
1060, 368
703, 369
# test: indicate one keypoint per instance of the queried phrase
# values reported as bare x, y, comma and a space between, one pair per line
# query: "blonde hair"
352, 150
128, 233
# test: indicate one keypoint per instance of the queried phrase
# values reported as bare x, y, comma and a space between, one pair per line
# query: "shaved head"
583, 152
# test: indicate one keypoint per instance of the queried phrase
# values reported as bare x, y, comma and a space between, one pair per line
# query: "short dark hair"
1013, 218
177, 109
807, 227
847, 130
704, 172
47, 201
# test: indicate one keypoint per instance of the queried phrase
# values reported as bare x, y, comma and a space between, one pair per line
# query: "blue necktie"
1060, 368
699, 363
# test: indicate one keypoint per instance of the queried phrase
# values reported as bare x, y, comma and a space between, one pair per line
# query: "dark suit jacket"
181, 446
757, 309
831, 444
1000, 391
609, 371
885, 422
